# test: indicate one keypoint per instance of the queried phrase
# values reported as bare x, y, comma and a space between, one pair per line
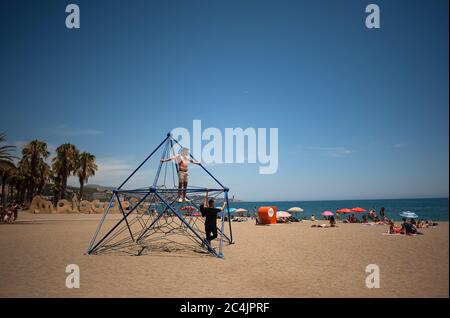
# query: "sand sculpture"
42, 205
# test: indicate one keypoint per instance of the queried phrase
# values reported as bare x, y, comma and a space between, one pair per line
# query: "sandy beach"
283, 260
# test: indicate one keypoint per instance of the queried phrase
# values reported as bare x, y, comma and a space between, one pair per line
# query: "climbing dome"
151, 220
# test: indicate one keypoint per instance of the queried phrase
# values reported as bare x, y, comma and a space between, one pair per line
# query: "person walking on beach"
182, 159
209, 212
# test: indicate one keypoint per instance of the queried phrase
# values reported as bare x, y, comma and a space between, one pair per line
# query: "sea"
436, 209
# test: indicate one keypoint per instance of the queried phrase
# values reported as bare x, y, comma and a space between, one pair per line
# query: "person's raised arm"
194, 161
224, 205
169, 159
205, 202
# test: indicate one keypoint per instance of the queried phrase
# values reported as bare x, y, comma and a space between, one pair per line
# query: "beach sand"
283, 260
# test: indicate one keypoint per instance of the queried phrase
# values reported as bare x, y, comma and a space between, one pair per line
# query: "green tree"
6, 164
6, 150
6, 168
64, 164
86, 169
33, 159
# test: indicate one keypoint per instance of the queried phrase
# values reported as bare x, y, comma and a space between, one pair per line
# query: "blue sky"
361, 113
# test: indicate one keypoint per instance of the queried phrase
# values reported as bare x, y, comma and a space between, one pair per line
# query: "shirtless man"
182, 159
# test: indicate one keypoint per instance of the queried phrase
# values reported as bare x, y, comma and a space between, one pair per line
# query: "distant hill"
97, 186
93, 191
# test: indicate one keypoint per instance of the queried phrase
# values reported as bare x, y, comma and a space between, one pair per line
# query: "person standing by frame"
209, 212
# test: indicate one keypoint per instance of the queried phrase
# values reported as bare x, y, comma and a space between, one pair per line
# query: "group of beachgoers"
370, 217
410, 227
10, 213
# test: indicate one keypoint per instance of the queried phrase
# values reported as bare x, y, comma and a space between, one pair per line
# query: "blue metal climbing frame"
148, 220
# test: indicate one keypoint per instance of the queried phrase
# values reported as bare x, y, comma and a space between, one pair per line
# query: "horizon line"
415, 198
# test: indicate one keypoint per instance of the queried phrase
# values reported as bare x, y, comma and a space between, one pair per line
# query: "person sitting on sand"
394, 229
353, 219
313, 218
409, 229
182, 160
431, 223
332, 221
323, 225
364, 218
209, 212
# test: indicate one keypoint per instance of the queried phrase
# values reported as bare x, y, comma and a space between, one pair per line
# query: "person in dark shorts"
209, 212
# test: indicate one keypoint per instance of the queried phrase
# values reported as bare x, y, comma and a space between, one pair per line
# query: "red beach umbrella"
358, 210
345, 210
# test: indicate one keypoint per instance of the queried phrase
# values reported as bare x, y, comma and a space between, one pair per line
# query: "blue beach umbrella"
409, 215
231, 209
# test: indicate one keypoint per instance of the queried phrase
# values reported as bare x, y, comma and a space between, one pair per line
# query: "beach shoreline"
282, 260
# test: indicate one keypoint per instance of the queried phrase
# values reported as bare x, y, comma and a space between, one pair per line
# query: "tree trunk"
11, 192
81, 189
22, 195
3, 189
63, 187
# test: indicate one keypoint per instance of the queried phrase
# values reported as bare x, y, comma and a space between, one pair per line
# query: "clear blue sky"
361, 113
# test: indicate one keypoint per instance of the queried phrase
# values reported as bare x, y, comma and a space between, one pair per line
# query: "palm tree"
6, 150
18, 180
6, 167
86, 169
64, 164
13, 181
6, 163
33, 158
44, 174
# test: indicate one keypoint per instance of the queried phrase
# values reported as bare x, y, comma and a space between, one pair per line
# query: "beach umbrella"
358, 210
409, 215
295, 209
327, 213
283, 214
240, 211
345, 210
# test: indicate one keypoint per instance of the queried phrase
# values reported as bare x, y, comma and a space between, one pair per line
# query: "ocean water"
429, 209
